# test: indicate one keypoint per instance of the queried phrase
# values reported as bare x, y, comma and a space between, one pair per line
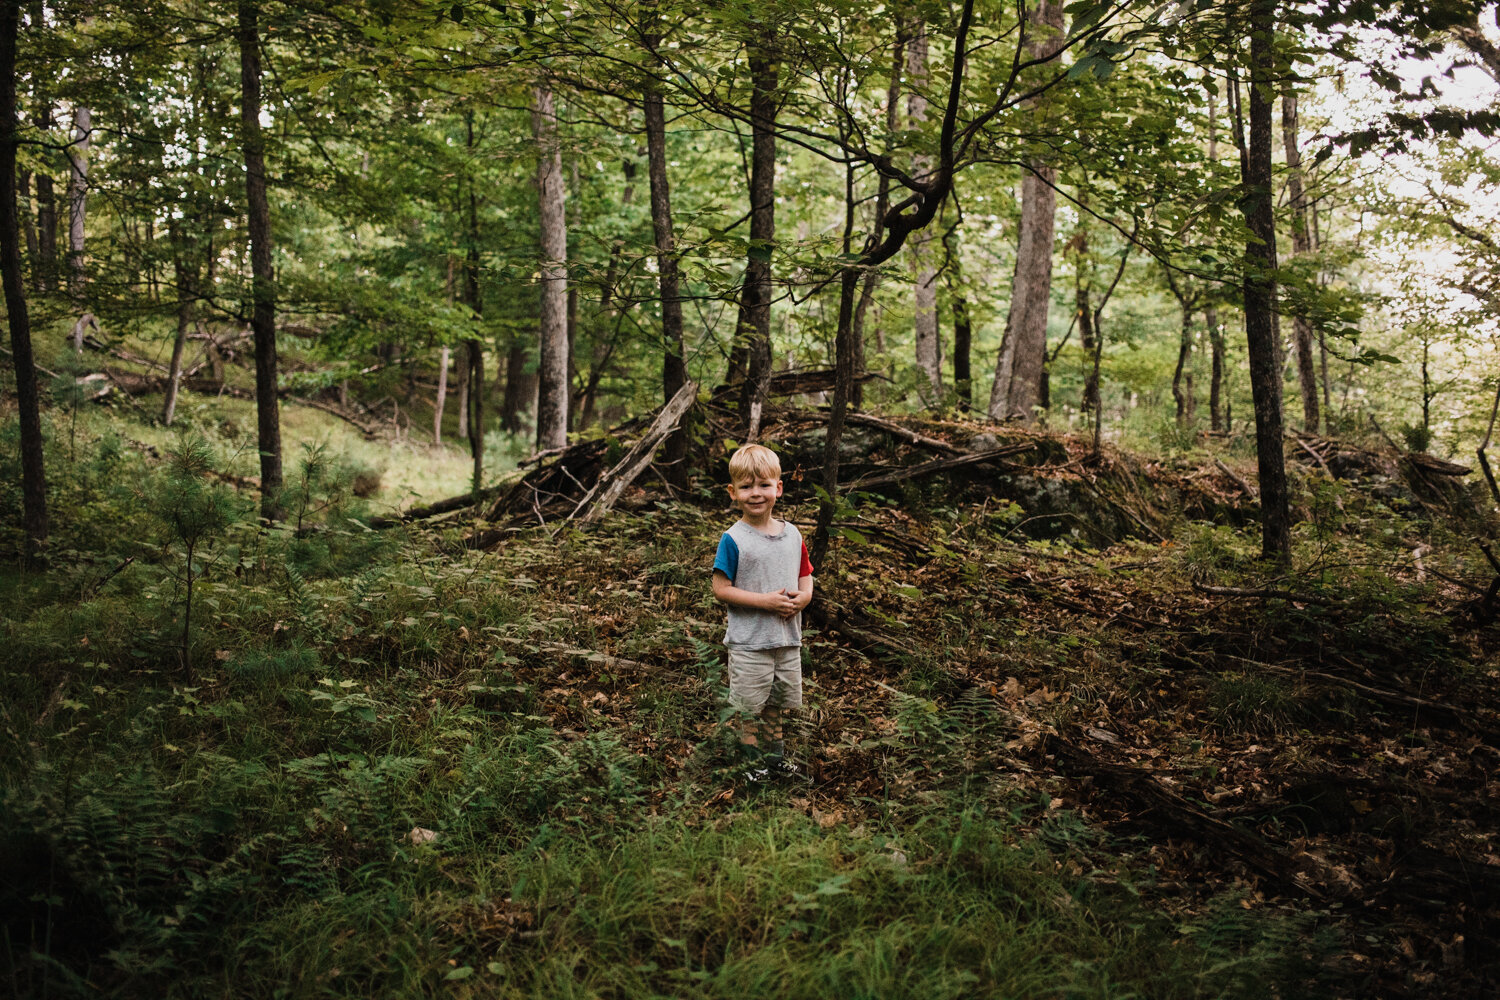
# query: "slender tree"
552, 366
262, 287
1023, 347
924, 289
753, 327
1259, 289
78, 192
674, 367
33, 466
1302, 330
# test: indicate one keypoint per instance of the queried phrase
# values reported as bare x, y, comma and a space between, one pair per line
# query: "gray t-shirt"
762, 564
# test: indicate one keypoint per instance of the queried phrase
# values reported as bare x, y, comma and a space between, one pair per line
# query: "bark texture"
78, 190
440, 400
1023, 347
673, 367
262, 287
753, 327
924, 291
1260, 290
552, 363
33, 468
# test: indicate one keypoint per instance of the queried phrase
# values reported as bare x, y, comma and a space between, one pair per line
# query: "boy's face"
755, 496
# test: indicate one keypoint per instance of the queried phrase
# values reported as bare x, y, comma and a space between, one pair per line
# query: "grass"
247, 830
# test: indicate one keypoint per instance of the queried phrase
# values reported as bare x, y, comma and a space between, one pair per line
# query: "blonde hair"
754, 461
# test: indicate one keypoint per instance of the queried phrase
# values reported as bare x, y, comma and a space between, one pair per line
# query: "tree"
1257, 203
924, 290
1023, 349
753, 327
1302, 330
552, 368
33, 465
263, 288
674, 367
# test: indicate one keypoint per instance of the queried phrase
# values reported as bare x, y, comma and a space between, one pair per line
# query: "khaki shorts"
759, 678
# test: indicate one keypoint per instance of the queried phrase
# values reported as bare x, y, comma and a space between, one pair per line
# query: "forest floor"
1095, 755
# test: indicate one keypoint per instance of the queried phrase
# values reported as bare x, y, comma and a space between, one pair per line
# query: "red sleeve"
806, 568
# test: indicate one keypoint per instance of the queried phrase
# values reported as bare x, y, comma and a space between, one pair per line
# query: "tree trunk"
33, 466
28, 223
924, 292
1260, 288
882, 204
462, 373
474, 361
46, 219
262, 287
673, 368
185, 267
441, 399
1023, 346
1184, 399
1216, 376
552, 364
753, 327
963, 379
473, 347
917, 212
78, 183
1302, 331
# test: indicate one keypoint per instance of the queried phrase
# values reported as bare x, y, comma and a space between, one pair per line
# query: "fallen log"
607, 490
445, 506
1267, 594
934, 467
793, 383
904, 433
1238, 479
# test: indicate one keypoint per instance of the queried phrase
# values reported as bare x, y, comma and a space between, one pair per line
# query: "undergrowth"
392, 770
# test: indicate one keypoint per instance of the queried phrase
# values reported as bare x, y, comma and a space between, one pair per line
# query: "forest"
371, 377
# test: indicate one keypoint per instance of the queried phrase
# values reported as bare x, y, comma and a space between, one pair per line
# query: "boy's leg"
786, 695
751, 673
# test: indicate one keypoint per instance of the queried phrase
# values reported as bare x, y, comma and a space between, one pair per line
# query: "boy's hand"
782, 602
792, 602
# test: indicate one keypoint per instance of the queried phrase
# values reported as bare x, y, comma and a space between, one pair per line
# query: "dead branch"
1267, 594
1239, 480
1385, 696
613, 483
905, 434
934, 467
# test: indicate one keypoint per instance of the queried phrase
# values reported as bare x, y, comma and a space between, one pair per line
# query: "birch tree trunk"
1023, 347
441, 400
924, 292
1302, 331
78, 183
552, 365
33, 466
263, 289
1260, 288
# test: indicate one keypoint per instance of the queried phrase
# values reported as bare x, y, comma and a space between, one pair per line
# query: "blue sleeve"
727, 560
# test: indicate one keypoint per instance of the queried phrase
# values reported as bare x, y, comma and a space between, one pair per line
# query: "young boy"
763, 574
